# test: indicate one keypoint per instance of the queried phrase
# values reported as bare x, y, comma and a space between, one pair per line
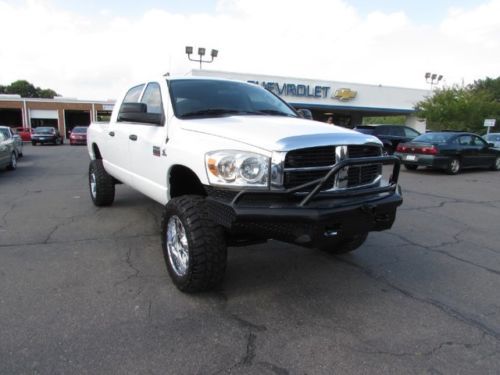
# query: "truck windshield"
213, 98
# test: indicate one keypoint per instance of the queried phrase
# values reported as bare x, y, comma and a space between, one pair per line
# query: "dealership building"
347, 103
62, 113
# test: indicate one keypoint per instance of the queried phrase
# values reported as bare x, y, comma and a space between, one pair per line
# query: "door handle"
112, 134
132, 137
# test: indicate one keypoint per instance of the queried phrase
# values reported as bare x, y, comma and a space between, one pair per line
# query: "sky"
95, 49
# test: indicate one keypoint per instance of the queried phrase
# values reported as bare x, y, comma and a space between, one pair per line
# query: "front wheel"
193, 245
347, 245
496, 164
13, 162
101, 184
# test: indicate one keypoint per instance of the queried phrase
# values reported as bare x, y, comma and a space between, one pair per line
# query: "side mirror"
138, 112
305, 113
491, 145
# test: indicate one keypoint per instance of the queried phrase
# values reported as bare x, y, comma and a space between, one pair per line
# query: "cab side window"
476, 141
465, 140
152, 98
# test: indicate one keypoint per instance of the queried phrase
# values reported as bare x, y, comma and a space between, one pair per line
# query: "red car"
78, 135
24, 133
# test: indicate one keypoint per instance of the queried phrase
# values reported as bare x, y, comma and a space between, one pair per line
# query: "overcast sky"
93, 49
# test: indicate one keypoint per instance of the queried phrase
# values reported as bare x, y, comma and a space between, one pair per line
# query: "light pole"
433, 78
201, 53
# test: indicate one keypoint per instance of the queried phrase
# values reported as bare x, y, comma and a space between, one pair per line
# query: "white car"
493, 138
234, 164
10, 136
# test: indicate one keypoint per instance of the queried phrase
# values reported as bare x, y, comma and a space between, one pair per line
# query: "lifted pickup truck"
234, 164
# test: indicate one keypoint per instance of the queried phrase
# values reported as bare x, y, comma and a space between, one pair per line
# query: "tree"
462, 108
27, 90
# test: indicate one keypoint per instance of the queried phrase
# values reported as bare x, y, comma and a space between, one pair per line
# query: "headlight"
237, 168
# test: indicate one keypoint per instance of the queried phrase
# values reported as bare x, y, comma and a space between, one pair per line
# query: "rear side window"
410, 133
152, 98
133, 94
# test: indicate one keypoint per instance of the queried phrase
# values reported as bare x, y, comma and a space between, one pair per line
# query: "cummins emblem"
344, 94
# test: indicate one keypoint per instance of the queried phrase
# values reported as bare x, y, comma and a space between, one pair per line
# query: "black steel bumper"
309, 218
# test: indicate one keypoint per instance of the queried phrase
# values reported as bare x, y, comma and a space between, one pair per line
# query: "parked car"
449, 151
24, 133
78, 136
389, 135
493, 138
8, 158
46, 134
10, 136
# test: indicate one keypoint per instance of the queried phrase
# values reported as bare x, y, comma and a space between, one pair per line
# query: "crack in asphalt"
429, 301
436, 249
428, 353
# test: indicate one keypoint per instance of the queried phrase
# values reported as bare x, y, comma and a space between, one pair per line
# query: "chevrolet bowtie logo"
344, 94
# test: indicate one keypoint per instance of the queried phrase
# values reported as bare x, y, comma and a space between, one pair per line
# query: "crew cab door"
117, 158
147, 142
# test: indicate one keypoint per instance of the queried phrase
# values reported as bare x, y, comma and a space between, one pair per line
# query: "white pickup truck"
233, 164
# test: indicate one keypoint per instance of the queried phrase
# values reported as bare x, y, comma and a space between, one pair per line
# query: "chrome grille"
309, 164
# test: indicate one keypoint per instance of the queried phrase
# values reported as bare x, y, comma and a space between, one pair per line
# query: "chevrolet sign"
344, 94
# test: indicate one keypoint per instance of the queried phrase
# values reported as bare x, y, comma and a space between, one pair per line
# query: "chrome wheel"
177, 246
497, 164
93, 186
13, 161
455, 166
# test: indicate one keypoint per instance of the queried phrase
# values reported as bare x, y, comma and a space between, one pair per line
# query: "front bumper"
309, 219
44, 140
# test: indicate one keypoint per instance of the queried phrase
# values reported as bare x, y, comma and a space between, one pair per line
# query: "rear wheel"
347, 245
13, 162
411, 167
454, 166
101, 184
496, 164
193, 245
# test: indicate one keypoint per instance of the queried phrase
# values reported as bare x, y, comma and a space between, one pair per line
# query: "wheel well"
96, 151
182, 181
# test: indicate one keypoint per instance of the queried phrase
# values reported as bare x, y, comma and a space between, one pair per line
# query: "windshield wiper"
215, 112
275, 112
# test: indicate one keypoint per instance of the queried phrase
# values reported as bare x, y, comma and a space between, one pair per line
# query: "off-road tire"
207, 252
347, 245
451, 168
104, 193
13, 162
411, 167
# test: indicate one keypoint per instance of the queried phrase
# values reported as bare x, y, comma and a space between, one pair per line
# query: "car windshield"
213, 98
434, 137
5, 133
81, 130
45, 130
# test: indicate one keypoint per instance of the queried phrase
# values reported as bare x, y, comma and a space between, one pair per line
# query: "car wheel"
101, 184
193, 245
33, 143
13, 162
345, 246
454, 166
388, 150
411, 167
496, 164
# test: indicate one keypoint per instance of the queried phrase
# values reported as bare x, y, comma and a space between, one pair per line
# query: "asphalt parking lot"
84, 290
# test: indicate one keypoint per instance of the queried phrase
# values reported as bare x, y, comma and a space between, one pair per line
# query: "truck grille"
300, 162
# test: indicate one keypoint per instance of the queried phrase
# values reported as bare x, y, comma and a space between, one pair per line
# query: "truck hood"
277, 133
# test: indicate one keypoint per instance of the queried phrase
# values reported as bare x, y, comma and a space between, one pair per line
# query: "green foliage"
27, 90
386, 120
462, 108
